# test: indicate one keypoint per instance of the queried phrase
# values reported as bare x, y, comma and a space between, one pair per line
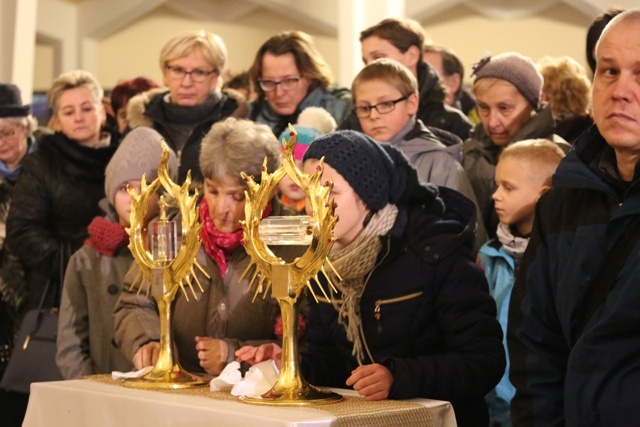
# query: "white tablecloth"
82, 403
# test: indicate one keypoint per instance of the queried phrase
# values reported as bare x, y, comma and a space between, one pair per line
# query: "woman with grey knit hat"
507, 88
93, 281
411, 317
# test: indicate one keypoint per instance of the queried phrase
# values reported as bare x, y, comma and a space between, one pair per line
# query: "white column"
353, 17
17, 44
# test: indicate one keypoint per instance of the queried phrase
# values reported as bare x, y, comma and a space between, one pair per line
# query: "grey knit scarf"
354, 263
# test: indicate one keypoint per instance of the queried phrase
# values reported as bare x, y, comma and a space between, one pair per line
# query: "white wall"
134, 50
557, 31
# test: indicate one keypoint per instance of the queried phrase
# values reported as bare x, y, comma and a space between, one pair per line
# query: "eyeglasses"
381, 107
197, 75
7, 133
290, 83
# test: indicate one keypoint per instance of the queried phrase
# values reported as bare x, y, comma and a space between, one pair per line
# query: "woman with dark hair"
122, 93
290, 75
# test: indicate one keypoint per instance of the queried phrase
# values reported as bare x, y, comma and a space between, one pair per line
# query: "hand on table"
212, 354
371, 381
147, 355
255, 355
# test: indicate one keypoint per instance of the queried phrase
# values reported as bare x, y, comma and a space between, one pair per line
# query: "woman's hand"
212, 354
255, 355
371, 381
147, 355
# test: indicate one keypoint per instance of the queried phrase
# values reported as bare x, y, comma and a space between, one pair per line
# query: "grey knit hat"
363, 163
517, 69
138, 154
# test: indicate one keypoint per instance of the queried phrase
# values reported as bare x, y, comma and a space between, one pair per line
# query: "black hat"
363, 163
11, 102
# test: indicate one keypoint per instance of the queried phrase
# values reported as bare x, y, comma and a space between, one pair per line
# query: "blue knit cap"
306, 135
363, 163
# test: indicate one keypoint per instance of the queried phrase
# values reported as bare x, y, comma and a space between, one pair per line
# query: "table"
87, 402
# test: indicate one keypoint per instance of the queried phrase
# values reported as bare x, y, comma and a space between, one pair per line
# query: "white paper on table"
229, 377
116, 375
258, 380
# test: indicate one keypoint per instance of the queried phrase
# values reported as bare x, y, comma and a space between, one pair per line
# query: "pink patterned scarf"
220, 246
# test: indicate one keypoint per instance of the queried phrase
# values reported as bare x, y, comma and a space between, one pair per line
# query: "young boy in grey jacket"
385, 95
95, 273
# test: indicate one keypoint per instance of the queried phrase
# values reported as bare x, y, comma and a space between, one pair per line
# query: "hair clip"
478, 65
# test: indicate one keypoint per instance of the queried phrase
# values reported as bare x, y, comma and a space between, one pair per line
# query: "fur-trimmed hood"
137, 106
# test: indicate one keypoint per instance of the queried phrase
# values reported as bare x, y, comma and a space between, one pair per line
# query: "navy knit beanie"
363, 163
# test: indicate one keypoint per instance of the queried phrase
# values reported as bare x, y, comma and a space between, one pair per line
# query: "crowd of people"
486, 247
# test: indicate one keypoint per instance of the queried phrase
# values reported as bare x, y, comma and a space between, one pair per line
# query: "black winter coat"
149, 109
53, 202
426, 316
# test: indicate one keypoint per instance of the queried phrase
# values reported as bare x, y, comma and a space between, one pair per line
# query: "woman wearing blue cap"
412, 317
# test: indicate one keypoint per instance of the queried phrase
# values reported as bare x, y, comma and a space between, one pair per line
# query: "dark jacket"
563, 377
426, 315
336, 100
151, 110
53, 202
432, 110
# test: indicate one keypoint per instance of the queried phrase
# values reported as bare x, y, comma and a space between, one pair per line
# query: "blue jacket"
426, 316
499, 269
563, 377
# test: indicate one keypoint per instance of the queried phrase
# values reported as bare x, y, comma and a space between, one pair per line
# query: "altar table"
86, 402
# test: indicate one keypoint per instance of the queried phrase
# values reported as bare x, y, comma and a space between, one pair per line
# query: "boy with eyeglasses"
385, 95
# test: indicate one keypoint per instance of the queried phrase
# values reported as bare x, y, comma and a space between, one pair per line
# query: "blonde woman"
61, 183
191, 65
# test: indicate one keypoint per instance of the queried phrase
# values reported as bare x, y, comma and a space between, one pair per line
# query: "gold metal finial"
289, 281
166, 267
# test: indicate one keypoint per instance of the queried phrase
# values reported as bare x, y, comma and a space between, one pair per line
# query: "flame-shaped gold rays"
176, 273
287, 282
181, 272
308, 266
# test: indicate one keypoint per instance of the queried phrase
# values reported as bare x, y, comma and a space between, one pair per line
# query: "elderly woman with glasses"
191, 66
16, 141
289, 75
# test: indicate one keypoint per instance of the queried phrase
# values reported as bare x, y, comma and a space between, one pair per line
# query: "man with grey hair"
574, 335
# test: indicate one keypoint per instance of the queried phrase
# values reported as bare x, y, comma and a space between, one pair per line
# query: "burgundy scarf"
106, 237
219, 246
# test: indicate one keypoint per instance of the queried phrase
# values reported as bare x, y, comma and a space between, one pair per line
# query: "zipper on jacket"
362, 335
379, 303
